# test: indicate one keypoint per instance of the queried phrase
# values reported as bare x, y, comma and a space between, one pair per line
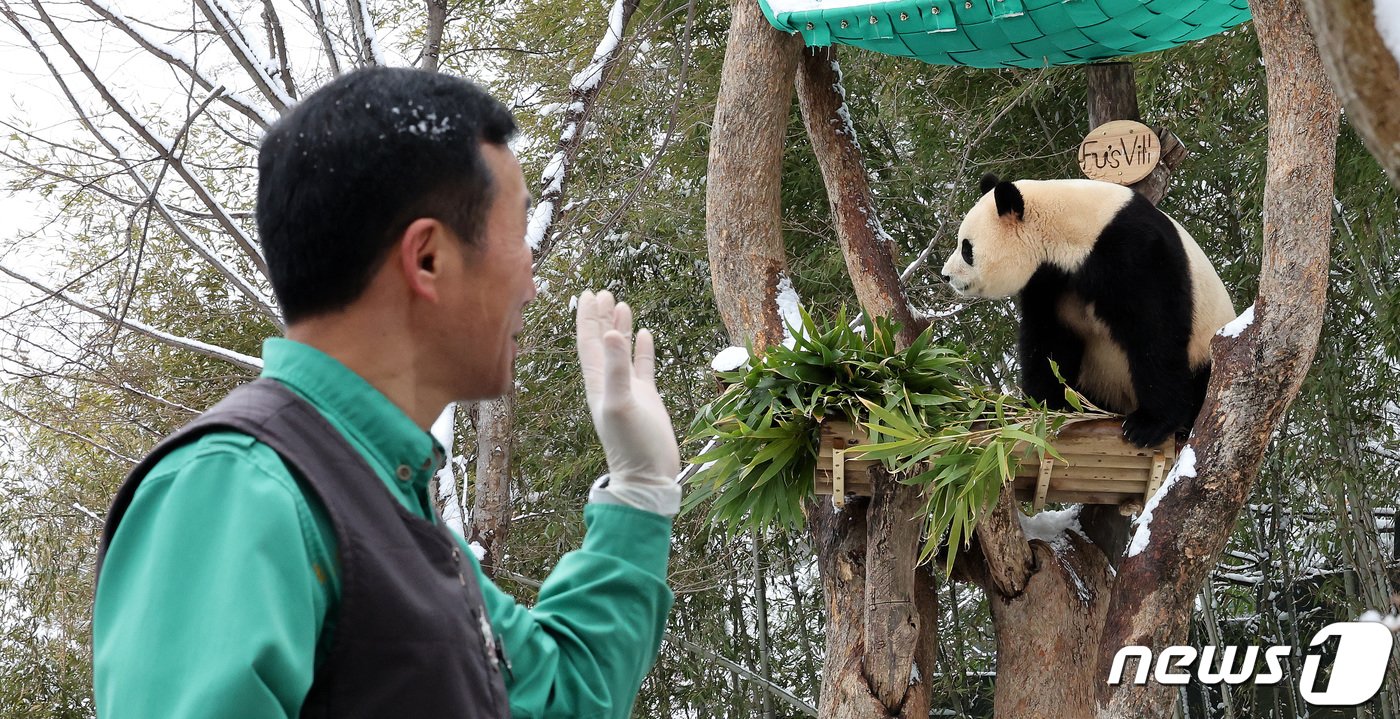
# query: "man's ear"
1009, 200
419, 256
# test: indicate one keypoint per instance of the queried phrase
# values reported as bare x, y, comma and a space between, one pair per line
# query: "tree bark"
875, 604
1254, 376
743, 205
437, 22
1048, 635
491, 502
1363, 71
867, 249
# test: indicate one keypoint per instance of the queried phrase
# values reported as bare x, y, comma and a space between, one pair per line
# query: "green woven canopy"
1006, 33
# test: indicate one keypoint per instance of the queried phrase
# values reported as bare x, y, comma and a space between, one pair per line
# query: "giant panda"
1115, 292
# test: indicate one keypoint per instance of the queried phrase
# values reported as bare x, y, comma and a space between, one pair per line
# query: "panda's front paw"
1145, 429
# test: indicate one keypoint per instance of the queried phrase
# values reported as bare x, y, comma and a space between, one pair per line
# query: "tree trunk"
868, 251
1363, 71
1254, 376
875, 614
743, 205
495, 441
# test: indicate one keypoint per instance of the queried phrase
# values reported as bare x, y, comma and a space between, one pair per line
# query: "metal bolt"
874, 21
844, 24
811, 26
967, 5
904, 16
936, 11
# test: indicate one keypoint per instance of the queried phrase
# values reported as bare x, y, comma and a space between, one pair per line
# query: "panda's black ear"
988, 182
1009, 200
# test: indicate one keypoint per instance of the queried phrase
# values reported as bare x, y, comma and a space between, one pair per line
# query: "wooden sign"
1120, 151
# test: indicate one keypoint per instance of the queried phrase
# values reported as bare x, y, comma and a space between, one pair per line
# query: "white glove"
631, 421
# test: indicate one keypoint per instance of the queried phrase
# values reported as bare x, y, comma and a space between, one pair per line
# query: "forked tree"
1061, 613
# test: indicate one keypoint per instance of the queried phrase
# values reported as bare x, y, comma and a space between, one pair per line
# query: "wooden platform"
1099, 467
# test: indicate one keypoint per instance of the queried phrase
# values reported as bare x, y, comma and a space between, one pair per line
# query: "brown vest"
411, 637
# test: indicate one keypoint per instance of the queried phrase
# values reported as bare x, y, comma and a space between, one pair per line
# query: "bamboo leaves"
928, 424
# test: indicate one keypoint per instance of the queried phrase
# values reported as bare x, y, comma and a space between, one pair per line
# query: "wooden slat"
838, 472
1042, 485
1058, 497
1064, 484
1100, 467
857, 484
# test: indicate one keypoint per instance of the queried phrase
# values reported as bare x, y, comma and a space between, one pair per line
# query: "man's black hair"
344, 173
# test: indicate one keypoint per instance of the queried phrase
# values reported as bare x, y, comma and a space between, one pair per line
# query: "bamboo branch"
170, 57
160, 147
204, 348
243, 52
65, 432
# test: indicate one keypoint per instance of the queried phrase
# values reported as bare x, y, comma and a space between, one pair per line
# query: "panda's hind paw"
1147, 430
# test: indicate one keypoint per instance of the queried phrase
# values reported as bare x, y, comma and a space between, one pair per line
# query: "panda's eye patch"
967, 251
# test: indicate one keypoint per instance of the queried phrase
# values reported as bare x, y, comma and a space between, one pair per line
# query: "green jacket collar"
382, 432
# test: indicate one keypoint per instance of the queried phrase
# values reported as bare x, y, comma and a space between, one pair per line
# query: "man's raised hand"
631, 421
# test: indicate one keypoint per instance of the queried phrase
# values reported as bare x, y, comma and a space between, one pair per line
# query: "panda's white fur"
1050, 230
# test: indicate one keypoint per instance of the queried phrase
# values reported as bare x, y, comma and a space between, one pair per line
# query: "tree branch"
1254, 377
243, 52
584, 89
363, 25
277, 45
161, 148
170, 57
243, 286
437, 22
204, 348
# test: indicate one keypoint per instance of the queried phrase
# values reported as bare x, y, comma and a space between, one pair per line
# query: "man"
281, 555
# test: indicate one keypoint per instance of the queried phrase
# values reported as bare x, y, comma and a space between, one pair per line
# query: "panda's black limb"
1137, 282
1045, 339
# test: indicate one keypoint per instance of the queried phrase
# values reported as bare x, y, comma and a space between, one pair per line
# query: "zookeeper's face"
487, 302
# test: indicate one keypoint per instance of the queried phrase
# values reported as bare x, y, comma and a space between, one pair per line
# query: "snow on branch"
363, 23
160, 146
259, 68
244, 286
175, 59
204, 348
583, 92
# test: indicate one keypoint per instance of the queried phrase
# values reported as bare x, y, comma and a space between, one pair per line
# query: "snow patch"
1391, 621
1185, 467
729, 359
1053, 527
789, 309
444, 431
587, 78
540, 220
1388, 25
1239, 324
477, 550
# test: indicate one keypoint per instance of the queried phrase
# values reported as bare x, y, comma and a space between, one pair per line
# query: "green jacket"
218, 593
